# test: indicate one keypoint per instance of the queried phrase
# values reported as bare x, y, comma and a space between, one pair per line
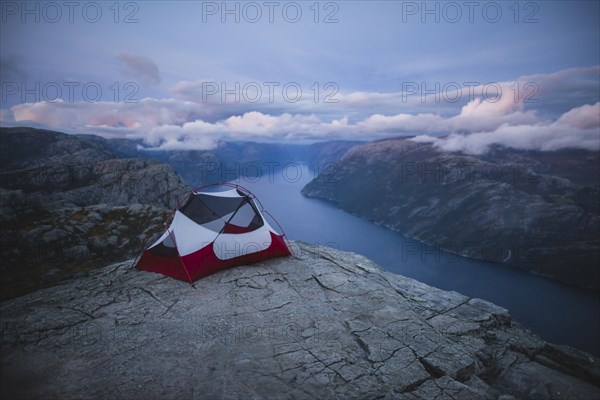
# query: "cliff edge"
323, 324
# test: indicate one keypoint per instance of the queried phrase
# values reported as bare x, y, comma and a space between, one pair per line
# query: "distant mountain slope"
538, 211
230, 160
24, 148
324, 153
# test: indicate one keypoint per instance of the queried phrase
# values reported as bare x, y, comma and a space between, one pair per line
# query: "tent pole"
230, 218
181, 259
285, 238
140, 250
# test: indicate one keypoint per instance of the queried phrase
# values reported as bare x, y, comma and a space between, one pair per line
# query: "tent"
213, 230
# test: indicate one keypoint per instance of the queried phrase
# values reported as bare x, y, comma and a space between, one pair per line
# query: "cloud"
546, 94
144, 114
253, 125
578, 128
6, 116
584, 117
191, 135
184, 122
140, 67
480, 114
189, 90
556, 93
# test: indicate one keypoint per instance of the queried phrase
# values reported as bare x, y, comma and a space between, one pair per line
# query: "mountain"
229, 160
68, 205
321, 155
535, 210
325, 324
54, 169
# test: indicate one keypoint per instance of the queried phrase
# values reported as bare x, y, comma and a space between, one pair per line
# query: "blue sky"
375, 58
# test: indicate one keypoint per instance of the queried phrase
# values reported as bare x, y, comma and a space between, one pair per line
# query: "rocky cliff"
324, 325
67, 205
535, 210
55, 170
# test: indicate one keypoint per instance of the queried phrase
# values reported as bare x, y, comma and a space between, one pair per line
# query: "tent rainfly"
213, 231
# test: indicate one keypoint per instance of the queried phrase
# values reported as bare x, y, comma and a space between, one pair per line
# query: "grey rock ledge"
325, 325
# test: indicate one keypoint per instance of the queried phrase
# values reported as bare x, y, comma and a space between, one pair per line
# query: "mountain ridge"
230, 160
502, 207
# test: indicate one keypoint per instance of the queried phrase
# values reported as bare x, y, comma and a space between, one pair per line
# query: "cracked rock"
326, 324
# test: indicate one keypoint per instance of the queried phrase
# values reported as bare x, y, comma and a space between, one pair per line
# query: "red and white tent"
212, 231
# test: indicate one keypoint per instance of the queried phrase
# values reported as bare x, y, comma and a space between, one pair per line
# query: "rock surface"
324, 325
42, 248
538, 211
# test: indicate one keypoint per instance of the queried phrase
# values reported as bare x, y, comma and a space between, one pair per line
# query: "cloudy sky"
189, 74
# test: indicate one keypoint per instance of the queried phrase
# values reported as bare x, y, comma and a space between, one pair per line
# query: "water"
557, 312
